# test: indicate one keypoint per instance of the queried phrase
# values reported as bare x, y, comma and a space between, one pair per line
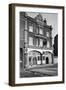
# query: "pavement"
47, 70
41, 71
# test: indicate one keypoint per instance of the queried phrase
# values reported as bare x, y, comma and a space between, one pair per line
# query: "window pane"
48, 45
29, 58
30, 28
38, 57
41, 42
41, 31
43, 57
37, 42
47, 34
30, 41
37, 31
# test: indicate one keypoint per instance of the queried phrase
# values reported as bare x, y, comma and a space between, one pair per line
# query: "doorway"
47, 60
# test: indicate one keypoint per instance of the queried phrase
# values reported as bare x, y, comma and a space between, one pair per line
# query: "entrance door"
47, 60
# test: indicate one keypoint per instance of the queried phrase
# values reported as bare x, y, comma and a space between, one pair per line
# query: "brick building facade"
35, 41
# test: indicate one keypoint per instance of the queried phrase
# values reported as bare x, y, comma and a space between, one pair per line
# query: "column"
41, 58
27, 60
32, 61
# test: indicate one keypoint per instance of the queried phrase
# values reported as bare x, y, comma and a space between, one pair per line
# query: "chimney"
45, 21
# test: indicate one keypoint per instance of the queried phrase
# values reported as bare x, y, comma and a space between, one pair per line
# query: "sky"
52, 19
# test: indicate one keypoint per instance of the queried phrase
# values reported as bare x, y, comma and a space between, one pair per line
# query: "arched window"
34, 58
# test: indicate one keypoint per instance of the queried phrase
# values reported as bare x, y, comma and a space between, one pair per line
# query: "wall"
4, 45
22, 26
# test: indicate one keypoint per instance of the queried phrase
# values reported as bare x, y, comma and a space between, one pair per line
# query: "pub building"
35, 41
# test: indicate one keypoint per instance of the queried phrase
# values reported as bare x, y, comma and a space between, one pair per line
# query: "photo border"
12, 43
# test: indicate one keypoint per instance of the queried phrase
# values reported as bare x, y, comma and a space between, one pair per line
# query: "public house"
35, 41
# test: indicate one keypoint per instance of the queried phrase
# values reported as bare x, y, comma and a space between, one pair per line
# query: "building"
35, 41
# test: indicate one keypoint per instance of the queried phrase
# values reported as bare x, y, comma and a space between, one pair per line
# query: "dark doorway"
47, 60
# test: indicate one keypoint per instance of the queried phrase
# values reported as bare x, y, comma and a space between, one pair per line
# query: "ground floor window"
38, 57
34, 60
43, 57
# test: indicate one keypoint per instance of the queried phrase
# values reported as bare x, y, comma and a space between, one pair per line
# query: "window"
47, 33
43, 57
30, 28
40, 31
36, 41
38, 57
41, 43
37, 30
30, 41
48, 45
44, 42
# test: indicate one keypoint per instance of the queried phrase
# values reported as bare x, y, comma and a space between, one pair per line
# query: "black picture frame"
12, 43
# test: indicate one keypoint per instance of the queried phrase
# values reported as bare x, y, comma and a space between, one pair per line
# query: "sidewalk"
40, 71
44, 66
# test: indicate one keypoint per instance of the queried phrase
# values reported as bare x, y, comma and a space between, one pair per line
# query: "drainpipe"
52, 59
41, 59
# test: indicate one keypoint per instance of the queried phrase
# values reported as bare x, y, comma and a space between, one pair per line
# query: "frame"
36, 44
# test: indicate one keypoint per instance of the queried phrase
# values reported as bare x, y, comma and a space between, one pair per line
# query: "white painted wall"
4, 45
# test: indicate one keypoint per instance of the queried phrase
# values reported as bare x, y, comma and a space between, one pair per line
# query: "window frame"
31, 40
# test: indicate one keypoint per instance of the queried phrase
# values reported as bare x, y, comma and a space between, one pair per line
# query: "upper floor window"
48, 44
40, 31
47, 33
30, 41
41, 43
36, 41
37, 30
31, 28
